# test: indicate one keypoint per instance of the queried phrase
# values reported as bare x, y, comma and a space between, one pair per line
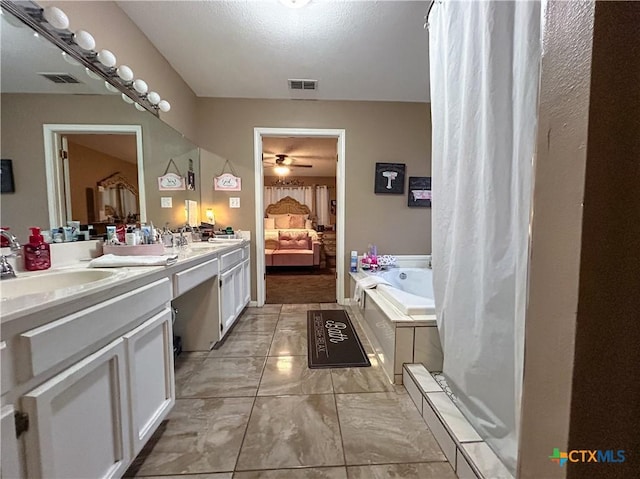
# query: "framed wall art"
6, 177
419, 191
389, 178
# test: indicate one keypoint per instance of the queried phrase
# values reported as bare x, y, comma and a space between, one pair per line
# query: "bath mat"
332, 341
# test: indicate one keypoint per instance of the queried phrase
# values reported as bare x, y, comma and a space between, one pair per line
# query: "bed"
280, 224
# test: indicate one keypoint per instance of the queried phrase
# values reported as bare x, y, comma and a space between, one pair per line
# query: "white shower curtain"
484, 58
322, 205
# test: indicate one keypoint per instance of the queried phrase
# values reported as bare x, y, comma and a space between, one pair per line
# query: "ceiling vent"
60, 77
303, 84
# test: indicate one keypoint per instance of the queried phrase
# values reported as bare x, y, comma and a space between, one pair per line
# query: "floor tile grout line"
244, 436
335, 402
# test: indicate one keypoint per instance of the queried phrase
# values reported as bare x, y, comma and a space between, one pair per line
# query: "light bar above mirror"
51, 23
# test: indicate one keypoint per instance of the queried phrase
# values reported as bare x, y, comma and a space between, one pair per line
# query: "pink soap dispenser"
37, 254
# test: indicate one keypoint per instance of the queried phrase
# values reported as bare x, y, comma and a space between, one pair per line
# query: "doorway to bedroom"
300, 200
299, 178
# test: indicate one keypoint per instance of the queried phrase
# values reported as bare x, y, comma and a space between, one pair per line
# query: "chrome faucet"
6, 270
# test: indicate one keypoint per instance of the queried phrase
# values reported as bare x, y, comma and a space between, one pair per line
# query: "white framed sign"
171, 182
227, 182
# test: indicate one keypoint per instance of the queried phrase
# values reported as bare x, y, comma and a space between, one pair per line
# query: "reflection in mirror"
39, 87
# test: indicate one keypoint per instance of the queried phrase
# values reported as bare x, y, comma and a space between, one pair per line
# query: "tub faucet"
6, 270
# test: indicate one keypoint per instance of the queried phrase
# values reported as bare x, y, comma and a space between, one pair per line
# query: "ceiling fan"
282, 160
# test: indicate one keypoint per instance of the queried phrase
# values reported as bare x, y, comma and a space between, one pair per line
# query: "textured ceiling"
357, 50
320, 153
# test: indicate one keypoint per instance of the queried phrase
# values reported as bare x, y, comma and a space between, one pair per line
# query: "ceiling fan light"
281, 170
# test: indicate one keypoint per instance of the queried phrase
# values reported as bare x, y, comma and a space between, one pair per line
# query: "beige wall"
87, 167
605, 405
581, 375
329, 181
375, 132
22, 140
555, 238
114, 30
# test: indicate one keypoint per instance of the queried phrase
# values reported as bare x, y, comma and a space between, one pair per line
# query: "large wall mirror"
77, 151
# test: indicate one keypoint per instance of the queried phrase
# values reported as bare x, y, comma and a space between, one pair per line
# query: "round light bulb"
70, 60
56, 18
110, 87
140, 86
139, 107
84, 40
127, 99
281, 170
153, 98
93, 74
107, 58
164, 106
125, 73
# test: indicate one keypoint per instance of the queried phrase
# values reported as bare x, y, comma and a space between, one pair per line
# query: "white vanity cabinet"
79, 419
235, 286
150, 373
94, 385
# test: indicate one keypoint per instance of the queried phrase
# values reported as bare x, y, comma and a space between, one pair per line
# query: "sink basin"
47, 282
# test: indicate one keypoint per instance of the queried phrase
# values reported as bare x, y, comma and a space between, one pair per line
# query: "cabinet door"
151, 377
238, 285
10, 464
227, 301
246, 282
79, 420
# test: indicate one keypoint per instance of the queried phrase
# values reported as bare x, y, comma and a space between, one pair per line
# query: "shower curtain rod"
426, 17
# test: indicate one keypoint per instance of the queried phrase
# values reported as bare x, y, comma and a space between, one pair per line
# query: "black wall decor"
6, 177
420, 191
389, 178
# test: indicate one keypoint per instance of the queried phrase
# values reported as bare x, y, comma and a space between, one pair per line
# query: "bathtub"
399, 319
410, 290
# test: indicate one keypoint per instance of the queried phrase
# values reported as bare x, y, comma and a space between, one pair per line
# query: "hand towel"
116, 261
368, 282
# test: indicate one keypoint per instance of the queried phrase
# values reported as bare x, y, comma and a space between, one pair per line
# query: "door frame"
55, 176
339, 134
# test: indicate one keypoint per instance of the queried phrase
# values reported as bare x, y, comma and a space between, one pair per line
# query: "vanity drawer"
230, 259
192, 277
48, 345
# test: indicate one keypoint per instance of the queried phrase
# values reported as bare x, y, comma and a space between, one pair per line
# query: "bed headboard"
287, 205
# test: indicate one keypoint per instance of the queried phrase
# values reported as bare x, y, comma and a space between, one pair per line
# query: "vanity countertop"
46, 306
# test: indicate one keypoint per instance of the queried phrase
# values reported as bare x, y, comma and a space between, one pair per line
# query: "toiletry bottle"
354, 262
37, 254
130, 237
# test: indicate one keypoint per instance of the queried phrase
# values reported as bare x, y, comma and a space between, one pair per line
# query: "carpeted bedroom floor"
300, 285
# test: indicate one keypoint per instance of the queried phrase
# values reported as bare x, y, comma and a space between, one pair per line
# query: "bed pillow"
308, 224
297, 221
293, 240
270, 215
282, 222
269, 223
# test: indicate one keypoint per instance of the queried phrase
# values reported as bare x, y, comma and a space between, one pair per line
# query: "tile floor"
252, 409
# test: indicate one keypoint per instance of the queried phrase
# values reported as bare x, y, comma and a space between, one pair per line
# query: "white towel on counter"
368, 282
117, 261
